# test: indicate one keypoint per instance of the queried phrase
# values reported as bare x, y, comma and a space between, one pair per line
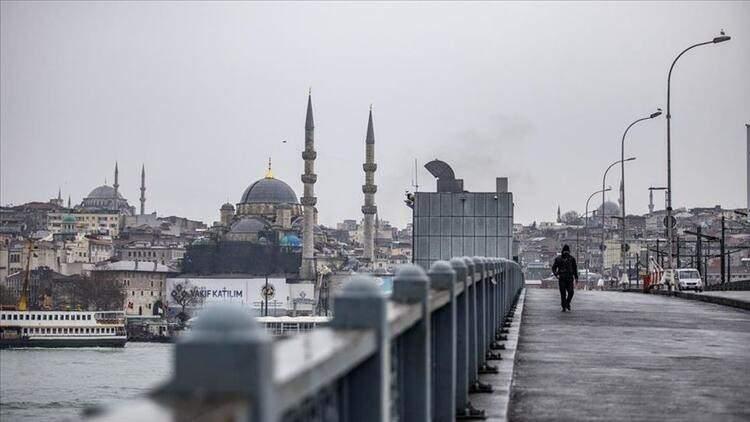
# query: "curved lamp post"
604, 212
721, 38
657, 113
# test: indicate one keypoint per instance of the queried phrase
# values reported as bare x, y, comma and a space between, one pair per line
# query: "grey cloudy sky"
203, 93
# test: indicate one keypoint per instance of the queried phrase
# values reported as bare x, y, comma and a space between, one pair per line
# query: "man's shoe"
567, 307
563, 309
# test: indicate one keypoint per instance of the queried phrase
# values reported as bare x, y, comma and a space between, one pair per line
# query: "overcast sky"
204, 93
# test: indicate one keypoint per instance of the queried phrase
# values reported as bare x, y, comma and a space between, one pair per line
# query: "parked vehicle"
689, 279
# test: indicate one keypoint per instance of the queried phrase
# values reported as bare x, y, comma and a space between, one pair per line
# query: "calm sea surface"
56, 384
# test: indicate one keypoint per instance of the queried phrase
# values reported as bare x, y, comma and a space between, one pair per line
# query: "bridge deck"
630, 356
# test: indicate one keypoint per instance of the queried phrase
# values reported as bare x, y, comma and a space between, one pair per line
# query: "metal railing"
414, 357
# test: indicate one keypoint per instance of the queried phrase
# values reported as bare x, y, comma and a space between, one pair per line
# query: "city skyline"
203, 106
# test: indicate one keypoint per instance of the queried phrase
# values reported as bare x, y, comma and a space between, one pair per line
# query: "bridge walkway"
630, 356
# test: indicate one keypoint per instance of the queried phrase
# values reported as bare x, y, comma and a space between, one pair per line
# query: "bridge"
464, 341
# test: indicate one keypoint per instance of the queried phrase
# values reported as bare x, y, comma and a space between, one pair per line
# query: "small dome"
269, 191
103, 192
248, 225
201, 241
227, 207
68, 219
290, 240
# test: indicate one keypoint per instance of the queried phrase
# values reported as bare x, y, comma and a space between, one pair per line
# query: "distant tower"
143, 189
369, 188
226, 214
68, 201
307, 272
59, 195
559, 217
116, 185
651, 201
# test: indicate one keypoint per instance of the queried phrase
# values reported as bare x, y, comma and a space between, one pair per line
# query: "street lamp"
586, 228
604, 213
721, 38
655, 114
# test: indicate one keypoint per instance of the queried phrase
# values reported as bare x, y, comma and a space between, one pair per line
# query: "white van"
689, 279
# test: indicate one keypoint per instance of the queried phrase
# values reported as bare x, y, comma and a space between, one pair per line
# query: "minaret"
650, 201
116, 185
369, 188
143, 189
559, 217
59, 195
307, 272
68, 201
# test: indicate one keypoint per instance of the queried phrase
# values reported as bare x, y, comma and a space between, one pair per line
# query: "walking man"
566, 271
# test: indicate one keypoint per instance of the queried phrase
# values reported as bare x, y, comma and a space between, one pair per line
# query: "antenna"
415, 179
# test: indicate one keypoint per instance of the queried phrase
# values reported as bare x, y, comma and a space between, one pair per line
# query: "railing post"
464, 408
495, 321
238, 349
480, 290
361, 305
472, 296
411, 285
443, 277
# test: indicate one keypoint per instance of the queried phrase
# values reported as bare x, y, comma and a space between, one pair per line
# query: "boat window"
25, 330
27, 316
2, 316
56, 317
33, 317
67, 316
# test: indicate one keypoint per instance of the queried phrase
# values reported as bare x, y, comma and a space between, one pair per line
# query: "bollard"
238, 349
482, 312
411, 285
361, 304
443, 277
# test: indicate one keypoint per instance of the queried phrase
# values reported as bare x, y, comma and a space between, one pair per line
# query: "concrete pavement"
625, 356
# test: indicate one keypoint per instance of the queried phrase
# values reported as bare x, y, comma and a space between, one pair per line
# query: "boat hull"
62, 342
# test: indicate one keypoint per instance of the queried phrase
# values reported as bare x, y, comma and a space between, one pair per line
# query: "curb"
735, 303
497, 404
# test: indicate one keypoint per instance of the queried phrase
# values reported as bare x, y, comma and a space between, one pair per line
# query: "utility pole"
698, 250
721, 252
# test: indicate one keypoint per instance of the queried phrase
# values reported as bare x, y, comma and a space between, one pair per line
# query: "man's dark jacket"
565, 267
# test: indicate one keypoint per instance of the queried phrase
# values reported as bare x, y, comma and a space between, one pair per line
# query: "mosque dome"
68, 219
269, 190
103, 192
610, 207
227, 207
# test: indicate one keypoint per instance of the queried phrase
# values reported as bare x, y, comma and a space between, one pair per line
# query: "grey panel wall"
459, 224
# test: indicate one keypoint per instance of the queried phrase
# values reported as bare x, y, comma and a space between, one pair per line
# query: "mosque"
107, 198
268, 213
273, 231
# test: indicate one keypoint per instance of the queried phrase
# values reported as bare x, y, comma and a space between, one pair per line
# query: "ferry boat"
62, 329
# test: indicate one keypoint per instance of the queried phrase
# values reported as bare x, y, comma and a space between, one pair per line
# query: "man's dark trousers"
566, 291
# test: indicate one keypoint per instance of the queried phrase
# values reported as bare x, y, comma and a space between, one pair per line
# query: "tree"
571, 218
186, 295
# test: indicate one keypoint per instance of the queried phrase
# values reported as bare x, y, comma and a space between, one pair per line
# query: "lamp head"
722, 37
630, 159
656, 114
